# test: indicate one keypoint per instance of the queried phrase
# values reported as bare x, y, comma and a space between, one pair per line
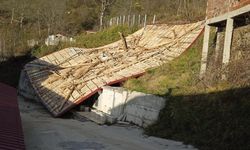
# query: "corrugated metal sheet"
11, 132
66, 78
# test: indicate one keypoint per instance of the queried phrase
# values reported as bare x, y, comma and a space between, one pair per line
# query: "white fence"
132, 20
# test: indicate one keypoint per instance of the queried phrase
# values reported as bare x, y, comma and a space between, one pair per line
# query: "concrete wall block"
138, 108
142, 112
112, 101
139, 121
146, 100
134, 119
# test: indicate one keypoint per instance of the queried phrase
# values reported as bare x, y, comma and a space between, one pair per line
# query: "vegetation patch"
176, 76
85, 40
211, 115
210, 121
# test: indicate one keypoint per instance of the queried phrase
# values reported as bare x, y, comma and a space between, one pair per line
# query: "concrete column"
205, 50
218, 43
228, 41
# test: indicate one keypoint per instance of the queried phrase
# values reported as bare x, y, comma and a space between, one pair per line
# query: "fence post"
154, 19
124, 19
110, 22
128, 20
120, 20
133, 20
145, 20
139, 20
117, 20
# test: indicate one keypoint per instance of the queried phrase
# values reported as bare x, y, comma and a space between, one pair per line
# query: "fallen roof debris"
66, 78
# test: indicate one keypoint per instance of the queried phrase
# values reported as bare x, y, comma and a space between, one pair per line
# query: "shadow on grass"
213, 121
217, 121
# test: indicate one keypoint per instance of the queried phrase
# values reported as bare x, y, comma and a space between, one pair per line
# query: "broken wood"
87, 70
67, 98
125, 46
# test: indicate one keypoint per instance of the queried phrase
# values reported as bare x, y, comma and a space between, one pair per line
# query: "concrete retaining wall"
135, 107
25, 88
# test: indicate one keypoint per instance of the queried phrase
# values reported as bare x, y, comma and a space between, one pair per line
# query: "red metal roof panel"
11, 132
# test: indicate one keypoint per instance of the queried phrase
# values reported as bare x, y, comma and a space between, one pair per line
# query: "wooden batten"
68, 77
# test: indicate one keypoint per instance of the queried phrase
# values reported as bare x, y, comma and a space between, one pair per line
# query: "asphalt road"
43, 132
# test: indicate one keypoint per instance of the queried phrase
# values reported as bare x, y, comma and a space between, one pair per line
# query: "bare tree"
105, 4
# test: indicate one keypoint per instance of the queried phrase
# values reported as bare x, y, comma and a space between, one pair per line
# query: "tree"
105, 4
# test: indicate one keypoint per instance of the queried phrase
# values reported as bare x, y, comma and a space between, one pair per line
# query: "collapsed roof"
66, 78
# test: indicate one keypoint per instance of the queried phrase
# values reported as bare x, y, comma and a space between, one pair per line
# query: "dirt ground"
43, 132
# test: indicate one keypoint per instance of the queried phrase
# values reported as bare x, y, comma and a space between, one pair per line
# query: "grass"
104, 37
176, 76
210, 121
84, 40
208, 116
179, 76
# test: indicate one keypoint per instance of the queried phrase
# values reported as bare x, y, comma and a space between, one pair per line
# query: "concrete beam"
228, 40
231, 14
205, 50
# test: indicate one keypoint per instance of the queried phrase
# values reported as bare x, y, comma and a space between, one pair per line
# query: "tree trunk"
103, 8
101, 20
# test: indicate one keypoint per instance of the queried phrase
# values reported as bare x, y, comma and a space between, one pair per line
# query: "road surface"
43, 132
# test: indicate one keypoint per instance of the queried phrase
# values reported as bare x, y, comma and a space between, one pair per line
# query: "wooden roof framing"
66, 78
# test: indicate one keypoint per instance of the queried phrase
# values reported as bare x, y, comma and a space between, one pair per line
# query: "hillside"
209, 113
23, 20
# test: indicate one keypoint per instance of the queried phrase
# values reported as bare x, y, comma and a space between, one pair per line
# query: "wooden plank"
85, 89
122, 64
92, 86
98, 82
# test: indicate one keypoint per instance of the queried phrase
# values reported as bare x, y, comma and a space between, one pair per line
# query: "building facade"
224, 15
216, 8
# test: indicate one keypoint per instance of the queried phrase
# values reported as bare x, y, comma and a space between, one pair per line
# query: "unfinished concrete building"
225, 15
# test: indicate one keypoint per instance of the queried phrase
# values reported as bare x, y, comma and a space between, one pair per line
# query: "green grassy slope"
176, 76
208, 116
84, 40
